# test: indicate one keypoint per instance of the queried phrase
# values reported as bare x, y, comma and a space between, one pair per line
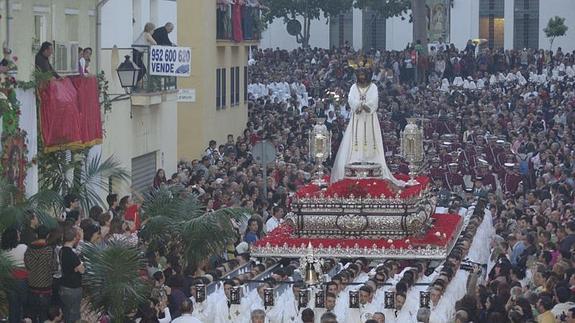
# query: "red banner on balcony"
89, 108
70, 114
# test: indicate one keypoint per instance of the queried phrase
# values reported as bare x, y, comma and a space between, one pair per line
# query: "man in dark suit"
160, 35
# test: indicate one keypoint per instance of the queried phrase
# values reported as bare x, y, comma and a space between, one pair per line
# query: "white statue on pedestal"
362, 141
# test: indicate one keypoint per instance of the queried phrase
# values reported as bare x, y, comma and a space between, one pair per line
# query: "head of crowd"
498, 128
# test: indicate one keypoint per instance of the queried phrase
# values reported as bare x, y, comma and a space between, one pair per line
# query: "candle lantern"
319, 149
412, 148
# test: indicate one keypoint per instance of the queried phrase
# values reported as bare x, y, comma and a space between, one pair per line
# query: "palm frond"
174, 215
161, 202
112, 279
11, 215
7, 282
54, 168
93, 180
46, 204
209, 233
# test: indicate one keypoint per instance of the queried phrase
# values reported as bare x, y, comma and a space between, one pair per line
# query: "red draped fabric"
89, 107
60, 118
70, 113
237, 22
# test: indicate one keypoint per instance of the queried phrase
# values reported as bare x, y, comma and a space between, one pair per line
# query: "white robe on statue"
362, 141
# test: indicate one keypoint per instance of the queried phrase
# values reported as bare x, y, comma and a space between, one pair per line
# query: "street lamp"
128, 74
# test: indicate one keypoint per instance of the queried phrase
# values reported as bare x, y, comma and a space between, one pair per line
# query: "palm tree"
90, 178
6, 281
173, 215
112, 281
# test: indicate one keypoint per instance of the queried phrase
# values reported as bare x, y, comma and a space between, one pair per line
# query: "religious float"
362, 209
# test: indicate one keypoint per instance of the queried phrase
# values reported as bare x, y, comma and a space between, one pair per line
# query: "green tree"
307, 10
112, 279
175, 216
89, 180
555, 28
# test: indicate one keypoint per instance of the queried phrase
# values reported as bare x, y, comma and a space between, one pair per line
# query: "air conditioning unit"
61, 57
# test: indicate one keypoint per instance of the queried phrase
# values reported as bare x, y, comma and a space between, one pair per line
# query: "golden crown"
360, 62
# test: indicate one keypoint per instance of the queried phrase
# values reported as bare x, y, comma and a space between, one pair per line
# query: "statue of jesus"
362, 141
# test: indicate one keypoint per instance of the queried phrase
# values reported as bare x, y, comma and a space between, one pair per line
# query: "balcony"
150, 83
151, 89
250, 24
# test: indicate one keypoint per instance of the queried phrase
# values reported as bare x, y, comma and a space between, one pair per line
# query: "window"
526, 24
40, 29
245, 83
375, 24
72, 27
223, 86
341, 29
233, 86
218, 88
237, 84
74, 56
492, 22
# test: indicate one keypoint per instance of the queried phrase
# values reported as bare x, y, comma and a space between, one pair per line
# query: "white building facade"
141, 129
504, 23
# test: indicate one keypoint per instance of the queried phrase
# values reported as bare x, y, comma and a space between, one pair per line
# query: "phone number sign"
170, 61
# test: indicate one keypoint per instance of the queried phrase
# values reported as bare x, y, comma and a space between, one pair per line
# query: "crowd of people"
508, 139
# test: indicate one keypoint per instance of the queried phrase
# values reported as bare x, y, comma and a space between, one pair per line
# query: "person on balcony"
161, 35
8, 63
144, 40
43, 59
84, 61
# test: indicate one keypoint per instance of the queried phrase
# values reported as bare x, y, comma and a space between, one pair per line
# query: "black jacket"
160, 35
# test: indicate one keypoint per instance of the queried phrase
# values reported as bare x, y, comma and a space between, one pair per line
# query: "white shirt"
186, 318
272, 223
17, 254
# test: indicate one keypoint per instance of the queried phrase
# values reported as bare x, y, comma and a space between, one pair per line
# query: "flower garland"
13, 160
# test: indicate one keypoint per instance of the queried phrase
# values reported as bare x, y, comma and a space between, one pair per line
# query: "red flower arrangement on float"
362, 188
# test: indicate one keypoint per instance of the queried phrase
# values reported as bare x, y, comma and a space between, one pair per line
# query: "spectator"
8, 63
160, 178
276, 219
55, 315
43, 59
161, 37
253, 231
84, 61
112, 200
258, 316
41, 264
15, 250
544, 306
29, 231
144, 41
186, 309
71, 281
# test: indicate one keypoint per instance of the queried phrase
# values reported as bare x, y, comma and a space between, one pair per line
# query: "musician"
452, 180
